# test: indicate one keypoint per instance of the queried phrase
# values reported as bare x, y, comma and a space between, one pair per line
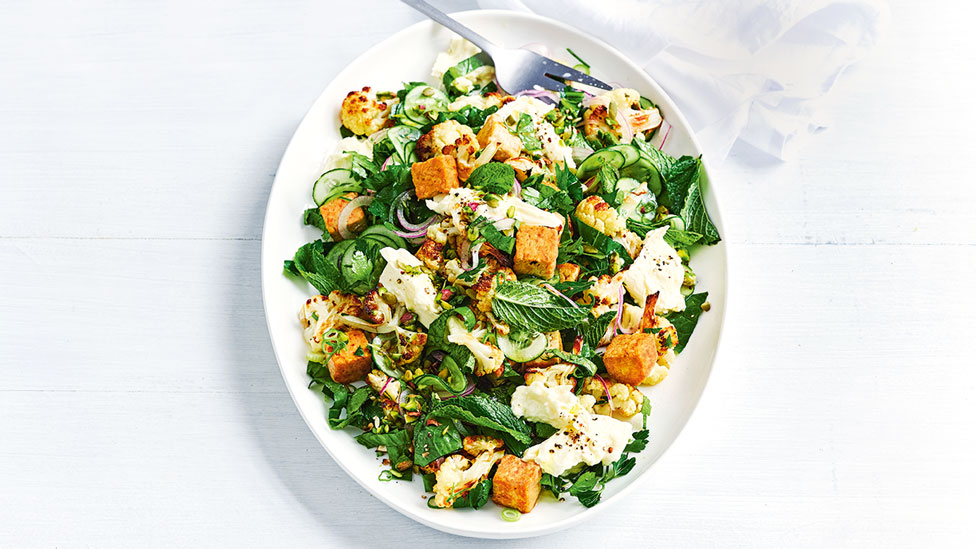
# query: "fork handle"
445, 20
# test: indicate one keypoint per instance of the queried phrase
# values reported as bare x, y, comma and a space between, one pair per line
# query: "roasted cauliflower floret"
477, 444
458, 474
450, 138
321, 313
378, 381
667, 339
626, 400
362, 113
553, 376
607, 111
488, 358
604, 294
408, 346
595, 212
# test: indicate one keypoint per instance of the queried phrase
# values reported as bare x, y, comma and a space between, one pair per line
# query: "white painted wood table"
140, 403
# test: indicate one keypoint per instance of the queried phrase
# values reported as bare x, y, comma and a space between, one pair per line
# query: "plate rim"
716, 214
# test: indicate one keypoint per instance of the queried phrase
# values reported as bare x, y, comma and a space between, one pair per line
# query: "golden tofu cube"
536, 249
631, 357
517, 483
435, 176
353, 362
508, 145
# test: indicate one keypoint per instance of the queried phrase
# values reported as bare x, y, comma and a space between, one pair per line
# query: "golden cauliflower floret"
609, 109
321, 313
381, 382
483, 291
450, 138
595, 212
458, 474
477, 444
553, 376
408, 346
362, 113
603, 294
626, 399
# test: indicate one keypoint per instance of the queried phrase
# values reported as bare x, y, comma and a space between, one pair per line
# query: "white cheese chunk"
588, 439
657, 269
553, 405
415, 289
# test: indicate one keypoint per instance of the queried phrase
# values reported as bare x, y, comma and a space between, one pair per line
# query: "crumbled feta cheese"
657, 269
552, 146
402, 277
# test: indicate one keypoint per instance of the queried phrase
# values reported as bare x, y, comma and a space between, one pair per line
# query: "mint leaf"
486, 412
531, 308
693, 210
433, 441
493, 177
685, 321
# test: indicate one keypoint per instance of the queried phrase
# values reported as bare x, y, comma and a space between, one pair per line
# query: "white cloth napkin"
753, 70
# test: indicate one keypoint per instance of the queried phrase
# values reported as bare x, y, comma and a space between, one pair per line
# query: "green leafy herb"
486, 412
602, 242
571, 288
595, 328
639, 442
313, 217
475, 498
309, 263
397, 445
342, 400
362, 166
685, 321
526, 132
465, 67
531, 308
493, 177
584, 366
433, 440
694, 213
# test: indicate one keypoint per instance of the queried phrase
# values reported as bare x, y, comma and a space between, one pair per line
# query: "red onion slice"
606, 390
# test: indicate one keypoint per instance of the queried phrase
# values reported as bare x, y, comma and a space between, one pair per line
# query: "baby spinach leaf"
571, 288
602, 242
397, 445
432, 440
476, 497
685, 321
534, 309
526, 132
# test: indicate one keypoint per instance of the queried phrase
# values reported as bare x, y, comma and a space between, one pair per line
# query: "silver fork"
515, 69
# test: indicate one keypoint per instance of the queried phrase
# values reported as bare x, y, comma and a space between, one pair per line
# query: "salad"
496, 277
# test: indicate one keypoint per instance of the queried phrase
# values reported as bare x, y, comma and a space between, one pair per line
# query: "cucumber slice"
630, 153
382, 232
592, 164
403, 139
423, 103
532, 351
644, 170
331, 182
337, 251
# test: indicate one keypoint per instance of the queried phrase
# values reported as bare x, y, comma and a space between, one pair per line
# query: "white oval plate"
405, 56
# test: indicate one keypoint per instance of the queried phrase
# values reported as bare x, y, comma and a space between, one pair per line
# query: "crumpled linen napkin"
750, 70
